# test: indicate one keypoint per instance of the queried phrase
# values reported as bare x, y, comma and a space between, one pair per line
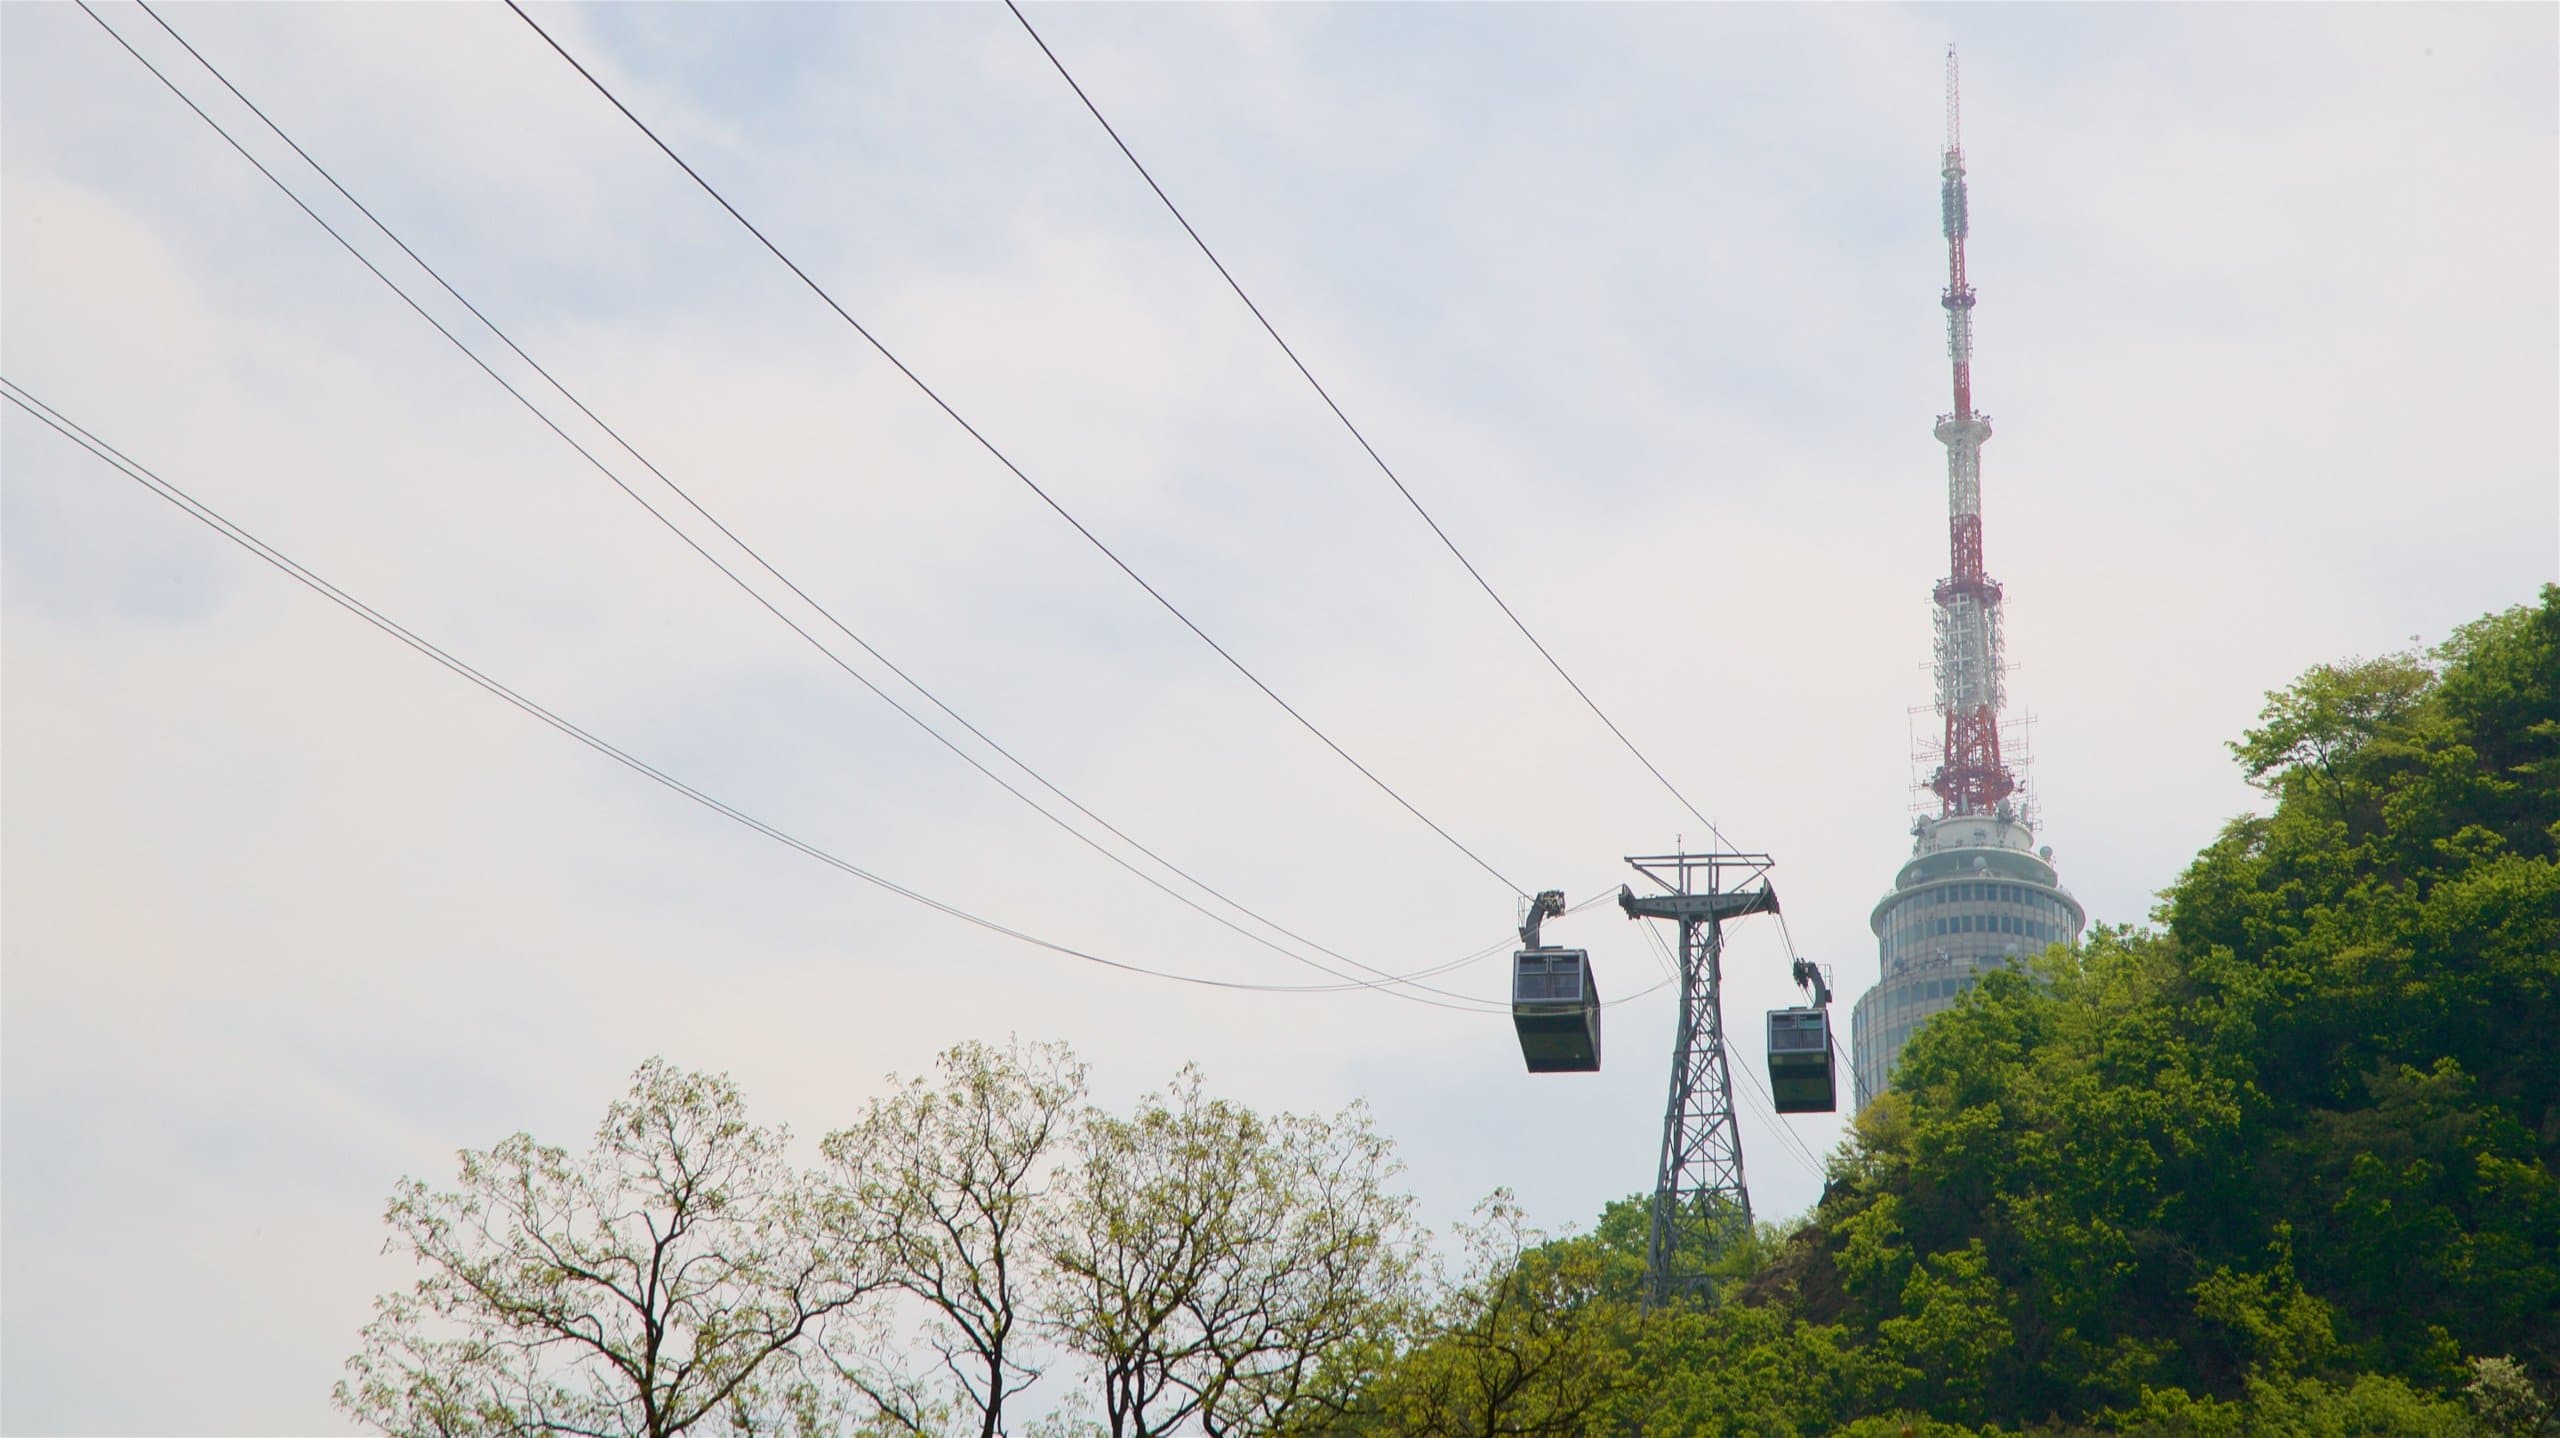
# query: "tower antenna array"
1971, 777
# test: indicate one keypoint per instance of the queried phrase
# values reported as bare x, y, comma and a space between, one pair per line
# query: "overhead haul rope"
725, 531
1363, 440
1366, 447
1797, 1150
211, 519
1000, 457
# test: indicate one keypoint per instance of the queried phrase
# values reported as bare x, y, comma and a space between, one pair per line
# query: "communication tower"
1977, 892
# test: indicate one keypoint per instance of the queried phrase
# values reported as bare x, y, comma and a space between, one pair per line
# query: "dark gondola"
1553, 1002
1556, 1009
1800, 1076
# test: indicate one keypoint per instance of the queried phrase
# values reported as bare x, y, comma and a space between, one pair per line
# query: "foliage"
2286, 1163
2275, 1166
2312, 728
664, 1279
945, 1185
1215, 1270
1522, 1343
2365, 1404
1219, 1269
2509, 1403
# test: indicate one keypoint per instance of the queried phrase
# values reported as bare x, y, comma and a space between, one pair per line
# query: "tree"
1220, 1269
2277, 1166
1523, 1340
1952, 1332
947, 1185
669, 1275
2509, 1404
2327, 715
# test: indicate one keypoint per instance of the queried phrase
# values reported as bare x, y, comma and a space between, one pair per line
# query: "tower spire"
1971, 778
1977, 893
1951, 212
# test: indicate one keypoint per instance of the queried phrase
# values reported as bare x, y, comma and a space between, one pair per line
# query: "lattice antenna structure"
1971, 778
1700, 1205
2017, 749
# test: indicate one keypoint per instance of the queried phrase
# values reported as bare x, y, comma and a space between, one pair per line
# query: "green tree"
2277, 1166
1523, 1339
667, 1277
2365, 1405
1224, 1270
1747, 1367
945, 1184
2322, 719
1952, 1334
2507, 1400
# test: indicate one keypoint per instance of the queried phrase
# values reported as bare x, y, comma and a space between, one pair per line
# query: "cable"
1647, 991
1016, 470
1366, 447
1794, 1148
1379, 460
1667, 980
1787, 936
1857, 1082
204, 514
1840, 1062
698, 549
1401, 488
1785, 1131
734, 538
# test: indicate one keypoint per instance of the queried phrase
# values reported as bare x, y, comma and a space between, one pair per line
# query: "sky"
1640, 302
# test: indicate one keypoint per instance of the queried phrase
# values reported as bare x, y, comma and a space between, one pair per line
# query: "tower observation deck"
1976, 895
1977, 892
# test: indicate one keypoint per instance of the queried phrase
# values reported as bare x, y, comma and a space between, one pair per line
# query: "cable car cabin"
1800, 1079
1556, 1010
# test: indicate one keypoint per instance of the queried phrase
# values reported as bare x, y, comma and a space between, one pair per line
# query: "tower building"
1976, 892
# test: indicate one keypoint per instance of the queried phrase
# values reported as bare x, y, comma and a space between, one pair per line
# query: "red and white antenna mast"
1971, 779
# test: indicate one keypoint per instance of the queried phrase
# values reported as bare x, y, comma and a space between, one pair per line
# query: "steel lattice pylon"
1700, 1202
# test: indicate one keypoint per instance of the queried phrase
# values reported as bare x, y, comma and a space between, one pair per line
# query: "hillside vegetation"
2288, 1162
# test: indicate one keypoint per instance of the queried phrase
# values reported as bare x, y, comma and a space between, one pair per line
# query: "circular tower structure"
1976, 895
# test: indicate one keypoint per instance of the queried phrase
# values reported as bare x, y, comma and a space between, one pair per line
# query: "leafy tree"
1747, 1367
946, 1185
2328, 714
1523, 1340
2366, 1405
1952, 1333
2384, 962
1219, 1269
2510, 1405
665, 1278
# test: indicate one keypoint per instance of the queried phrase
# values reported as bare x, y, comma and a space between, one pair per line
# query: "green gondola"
1556, 1009
1800, 1072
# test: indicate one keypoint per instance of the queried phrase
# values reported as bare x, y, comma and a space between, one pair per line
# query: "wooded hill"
2286, 1162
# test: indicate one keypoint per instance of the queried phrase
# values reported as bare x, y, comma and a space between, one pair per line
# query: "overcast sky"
1641, 302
